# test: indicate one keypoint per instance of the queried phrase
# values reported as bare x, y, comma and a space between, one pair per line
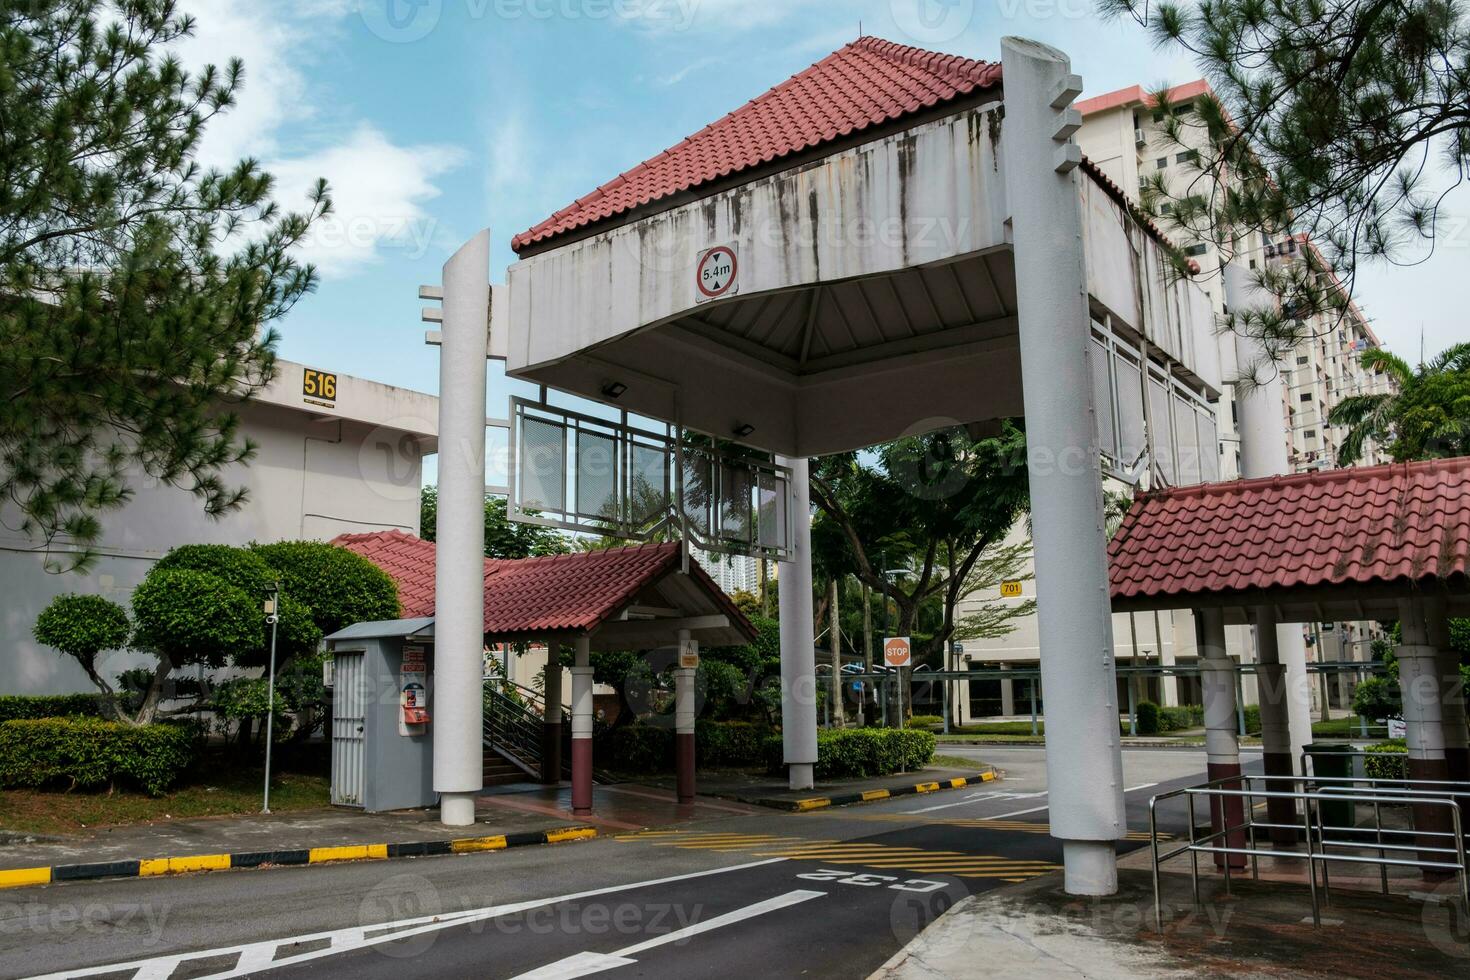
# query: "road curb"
872, 795
154, 867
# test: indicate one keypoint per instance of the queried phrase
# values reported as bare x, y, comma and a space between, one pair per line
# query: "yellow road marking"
471, 845
875, 794
354, 852
571, 833
25, 876
180, 865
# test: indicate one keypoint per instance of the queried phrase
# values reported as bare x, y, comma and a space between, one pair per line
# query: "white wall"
319, 472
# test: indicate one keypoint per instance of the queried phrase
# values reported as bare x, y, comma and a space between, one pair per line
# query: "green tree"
932, 505
1427, 417
81, 627
504, 538
337, 586
137, 289
1345, 121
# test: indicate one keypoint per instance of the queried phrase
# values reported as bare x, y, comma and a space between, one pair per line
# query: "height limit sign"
717, 274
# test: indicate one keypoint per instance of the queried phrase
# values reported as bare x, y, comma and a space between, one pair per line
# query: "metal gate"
348, 708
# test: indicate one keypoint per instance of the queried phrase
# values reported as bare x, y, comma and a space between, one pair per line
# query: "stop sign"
896, 651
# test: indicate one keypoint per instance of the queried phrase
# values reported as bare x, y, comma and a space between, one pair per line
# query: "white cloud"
378, 190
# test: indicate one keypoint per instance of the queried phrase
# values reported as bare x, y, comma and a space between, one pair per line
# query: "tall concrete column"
582, 729
684, 711
1222, 743
798, 656
1263, 452
551, 729
1419, 680
1452, 694
1084, 761
459, 577
1007, 696
1277, 753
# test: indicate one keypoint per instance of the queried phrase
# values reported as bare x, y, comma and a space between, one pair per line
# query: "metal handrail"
1217, 789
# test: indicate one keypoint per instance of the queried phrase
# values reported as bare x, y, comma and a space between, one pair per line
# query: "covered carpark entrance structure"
892, 241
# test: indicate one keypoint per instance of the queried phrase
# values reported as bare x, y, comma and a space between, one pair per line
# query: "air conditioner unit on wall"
1138, 138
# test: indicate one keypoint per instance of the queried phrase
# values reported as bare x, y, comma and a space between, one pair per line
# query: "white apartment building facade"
1122, 134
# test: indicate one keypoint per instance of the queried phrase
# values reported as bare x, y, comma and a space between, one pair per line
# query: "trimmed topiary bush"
1386, 760
84, 752
729, 744
925, 721
650, 748
1147, 715
338, 586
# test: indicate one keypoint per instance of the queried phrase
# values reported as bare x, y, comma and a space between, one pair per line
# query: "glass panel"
597, 476
735, 516
697, 495
1209, 445
1161, 440
1130, 411
1102, 399
649, 493
1186, 437
542, 466
772, 490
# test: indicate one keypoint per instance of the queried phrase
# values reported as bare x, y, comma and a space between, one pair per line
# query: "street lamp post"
272, 616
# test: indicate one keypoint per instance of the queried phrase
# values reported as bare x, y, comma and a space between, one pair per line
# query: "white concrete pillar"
1452, 693
798, 656
459, 578
1278, 754
551, 724
1263, 452
1218, 674
684, 711
582, 729
1084, 760
1007, 696
1419, 681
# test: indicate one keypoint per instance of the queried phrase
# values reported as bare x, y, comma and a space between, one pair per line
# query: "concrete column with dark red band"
582, 729
1452, 696
684, 720
1222, 743
1419, 681
551, 721
1276, 753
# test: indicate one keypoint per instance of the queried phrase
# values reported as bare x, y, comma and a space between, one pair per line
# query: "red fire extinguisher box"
382, 697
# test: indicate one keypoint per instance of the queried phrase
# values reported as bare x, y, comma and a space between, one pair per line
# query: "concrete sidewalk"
1263, 929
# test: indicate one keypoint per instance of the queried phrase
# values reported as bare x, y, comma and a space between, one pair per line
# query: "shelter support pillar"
1084, 759
1222, 743
459, 577
1452, 696
551, 723
1007, 696
582, 729
1263, 452
684, 711
798, 655
1419, 679
1277, 754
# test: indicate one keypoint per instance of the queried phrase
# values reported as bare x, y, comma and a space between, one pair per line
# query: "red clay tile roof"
868, 82
1362, 526
574, 592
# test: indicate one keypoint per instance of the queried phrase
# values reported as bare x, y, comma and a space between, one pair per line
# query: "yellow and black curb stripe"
869, 796
153, 867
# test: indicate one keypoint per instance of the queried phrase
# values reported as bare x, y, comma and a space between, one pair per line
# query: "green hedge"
847, 753
92, 753
13, 706
1386, 760
925, 721
1181, 717
650, 748
1147, 715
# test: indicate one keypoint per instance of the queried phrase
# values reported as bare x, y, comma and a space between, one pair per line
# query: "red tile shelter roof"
867, 83
576, 592
1385, 525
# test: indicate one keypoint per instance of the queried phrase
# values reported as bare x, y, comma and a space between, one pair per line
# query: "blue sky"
434, 118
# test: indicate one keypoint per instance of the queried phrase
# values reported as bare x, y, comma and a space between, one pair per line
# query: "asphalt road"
829, 893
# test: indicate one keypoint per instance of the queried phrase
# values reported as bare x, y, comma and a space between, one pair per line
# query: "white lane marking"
346, 940
1038, 809
588, 963
977, 798
1134, 789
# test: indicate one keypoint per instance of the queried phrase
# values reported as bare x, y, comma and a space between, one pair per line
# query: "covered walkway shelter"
889, 242
635, 598
1384, 543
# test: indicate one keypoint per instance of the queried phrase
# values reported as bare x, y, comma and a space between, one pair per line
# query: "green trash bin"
1334, 759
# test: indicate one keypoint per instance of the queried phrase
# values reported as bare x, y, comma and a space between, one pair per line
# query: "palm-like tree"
1426, 417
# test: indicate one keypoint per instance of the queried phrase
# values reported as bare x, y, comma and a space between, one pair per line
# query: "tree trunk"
836, 636
148, 710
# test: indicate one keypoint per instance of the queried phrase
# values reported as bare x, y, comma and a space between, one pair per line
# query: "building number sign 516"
319, 384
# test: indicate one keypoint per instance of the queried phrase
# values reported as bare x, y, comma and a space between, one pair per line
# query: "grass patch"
941, 761
1347, 727
235, 792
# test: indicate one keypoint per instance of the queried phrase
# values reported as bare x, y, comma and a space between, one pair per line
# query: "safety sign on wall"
717, 274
